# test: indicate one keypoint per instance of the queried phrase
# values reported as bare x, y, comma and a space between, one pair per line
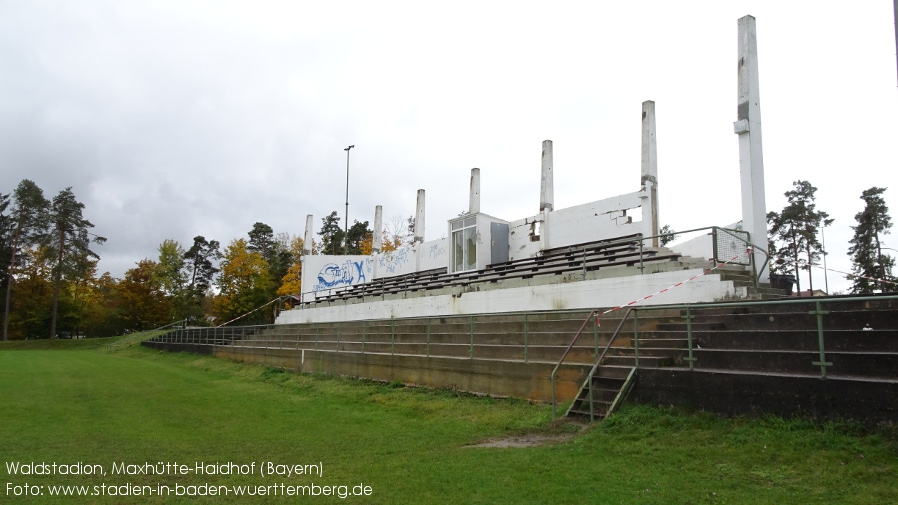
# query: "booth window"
464, 240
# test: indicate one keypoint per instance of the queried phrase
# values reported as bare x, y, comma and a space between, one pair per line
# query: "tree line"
795, 240
52, 287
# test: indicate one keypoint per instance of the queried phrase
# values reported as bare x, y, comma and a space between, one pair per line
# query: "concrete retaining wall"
588, 294
500, 378
780, 395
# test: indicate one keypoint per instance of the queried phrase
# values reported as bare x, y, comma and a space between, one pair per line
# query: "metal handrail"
818, 312
564, 355
598, 360
225, 335
830, 299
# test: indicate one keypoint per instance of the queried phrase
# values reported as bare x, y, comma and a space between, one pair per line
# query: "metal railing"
140, 336
690, 312
533, 336
601, 357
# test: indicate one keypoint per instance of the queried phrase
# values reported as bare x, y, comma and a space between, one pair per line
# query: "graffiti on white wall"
350, 273
437, 250
390, 261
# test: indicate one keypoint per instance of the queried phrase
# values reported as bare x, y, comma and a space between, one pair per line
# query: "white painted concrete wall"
434, 254
323, 274
402, 261
698, 247
520, 242
603, 219
611, 292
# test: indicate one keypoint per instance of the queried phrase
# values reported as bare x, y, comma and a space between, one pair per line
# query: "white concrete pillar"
307, 238
650, 225
748, 127
474, 198
378, 231
419, 218
547, 186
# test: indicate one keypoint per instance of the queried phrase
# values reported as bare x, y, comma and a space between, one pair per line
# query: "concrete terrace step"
596, 397
867, 364
800, 317
800, 340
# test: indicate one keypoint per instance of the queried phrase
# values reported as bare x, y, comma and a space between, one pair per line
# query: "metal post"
472, 337
819, 312
427, 342
688, 318
584, 262
641, 265
592, 406
636, 338
364, 335
595, 340
826, 270
526, 336
346, 216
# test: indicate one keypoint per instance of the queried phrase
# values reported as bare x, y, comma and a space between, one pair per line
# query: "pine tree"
794, 232
7, 230
331, 234
261, 240
69, 239
358, 233
275, 249
868, 261
29, 219
199, 270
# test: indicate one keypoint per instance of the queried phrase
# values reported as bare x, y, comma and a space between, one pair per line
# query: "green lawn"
137, 406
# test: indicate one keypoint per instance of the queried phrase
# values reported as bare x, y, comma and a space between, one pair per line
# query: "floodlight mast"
346, 215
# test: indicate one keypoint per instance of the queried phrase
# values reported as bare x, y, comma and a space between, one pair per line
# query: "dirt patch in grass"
533, 440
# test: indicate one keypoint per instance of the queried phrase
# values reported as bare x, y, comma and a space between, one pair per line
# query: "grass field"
136, 406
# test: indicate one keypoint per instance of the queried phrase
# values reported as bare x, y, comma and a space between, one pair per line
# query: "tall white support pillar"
650, 225
377, 239
307, 238
419, 218
748, 127
306, 248
474, 198
547, 186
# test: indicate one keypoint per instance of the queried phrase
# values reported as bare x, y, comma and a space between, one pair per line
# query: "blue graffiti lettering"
351, 273
360, 270
436, 251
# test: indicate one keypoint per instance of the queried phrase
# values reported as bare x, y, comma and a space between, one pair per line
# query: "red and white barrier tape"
644, 298
248, 313
856, 275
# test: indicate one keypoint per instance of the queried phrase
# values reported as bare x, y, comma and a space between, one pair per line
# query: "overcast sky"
183, 118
